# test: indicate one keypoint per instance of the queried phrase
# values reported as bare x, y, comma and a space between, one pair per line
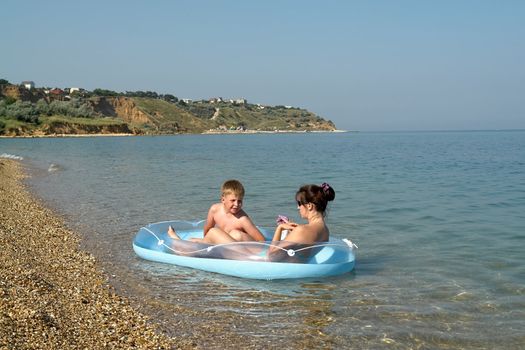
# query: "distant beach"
208, 132
270, 132
65, 135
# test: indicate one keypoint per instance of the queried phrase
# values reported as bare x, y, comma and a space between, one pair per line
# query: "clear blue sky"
366, 65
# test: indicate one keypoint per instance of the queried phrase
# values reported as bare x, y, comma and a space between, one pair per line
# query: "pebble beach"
53, 295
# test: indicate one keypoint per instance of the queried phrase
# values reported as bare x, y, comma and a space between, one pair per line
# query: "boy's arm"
252, 230
210, 221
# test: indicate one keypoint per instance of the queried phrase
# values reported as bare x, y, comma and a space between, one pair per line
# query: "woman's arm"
279, 230
290, 226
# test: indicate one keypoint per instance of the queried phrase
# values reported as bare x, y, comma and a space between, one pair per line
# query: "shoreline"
208, 132
54, 295
65, 135
226, 132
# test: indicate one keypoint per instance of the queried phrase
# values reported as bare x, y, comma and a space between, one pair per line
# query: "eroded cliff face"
322, 125
21, 93
68, 128
120, 107
58, 128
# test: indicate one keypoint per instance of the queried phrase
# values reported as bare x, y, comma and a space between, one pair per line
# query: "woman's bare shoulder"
308, 233
299, 234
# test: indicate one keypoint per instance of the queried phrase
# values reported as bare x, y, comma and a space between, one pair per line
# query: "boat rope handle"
178, 252
290, 252
192, 223
350, 243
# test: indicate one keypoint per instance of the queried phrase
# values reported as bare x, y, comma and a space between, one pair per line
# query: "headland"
26, 110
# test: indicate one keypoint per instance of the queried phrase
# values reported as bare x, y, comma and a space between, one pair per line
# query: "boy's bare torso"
227, 221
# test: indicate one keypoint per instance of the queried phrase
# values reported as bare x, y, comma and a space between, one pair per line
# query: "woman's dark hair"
318, 195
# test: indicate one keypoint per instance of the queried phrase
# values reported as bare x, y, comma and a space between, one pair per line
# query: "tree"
4, 82
170, 98
151, 94
104, 92
8, 100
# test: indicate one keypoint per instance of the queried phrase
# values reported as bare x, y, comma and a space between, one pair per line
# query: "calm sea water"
439, 219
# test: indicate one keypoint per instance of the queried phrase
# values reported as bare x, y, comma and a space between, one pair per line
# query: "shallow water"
438, 217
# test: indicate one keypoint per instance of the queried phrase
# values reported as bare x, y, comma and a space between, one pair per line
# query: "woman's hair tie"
325, 187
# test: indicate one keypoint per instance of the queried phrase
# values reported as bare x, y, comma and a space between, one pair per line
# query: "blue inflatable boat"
257, 260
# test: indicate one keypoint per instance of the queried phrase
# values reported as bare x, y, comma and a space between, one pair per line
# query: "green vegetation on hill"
39, 112
170, 117
201, 116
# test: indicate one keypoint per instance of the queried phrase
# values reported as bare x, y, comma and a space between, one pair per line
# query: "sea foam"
11, 156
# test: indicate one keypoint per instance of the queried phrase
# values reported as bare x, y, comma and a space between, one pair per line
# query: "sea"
439, 219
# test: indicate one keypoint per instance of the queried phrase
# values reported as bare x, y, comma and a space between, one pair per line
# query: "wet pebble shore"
52, 294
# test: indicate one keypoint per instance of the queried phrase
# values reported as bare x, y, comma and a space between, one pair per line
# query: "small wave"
54, 167
11, 156
396, 210
430, 218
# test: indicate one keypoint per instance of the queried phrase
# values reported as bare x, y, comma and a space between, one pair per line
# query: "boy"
226, 221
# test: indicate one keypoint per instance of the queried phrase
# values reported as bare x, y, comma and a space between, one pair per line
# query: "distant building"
215, 100
239, 101
56, 91
29, 84
57, 94
74, 89
187, 100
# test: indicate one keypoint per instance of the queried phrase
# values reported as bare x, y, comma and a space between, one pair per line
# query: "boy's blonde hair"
232, 187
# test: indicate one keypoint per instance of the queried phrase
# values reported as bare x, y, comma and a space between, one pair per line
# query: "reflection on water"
264, 314
439, 219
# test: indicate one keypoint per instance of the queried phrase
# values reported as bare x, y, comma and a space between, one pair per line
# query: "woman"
311, 203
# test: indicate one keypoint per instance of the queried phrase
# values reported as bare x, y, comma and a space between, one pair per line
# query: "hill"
36, 112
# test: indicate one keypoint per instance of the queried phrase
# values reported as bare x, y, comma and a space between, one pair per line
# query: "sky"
366, 65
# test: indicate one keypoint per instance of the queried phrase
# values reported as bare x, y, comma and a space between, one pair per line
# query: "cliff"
60, 127
120, 107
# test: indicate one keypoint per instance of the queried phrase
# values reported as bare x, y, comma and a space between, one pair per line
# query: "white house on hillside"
239, 101
29, 84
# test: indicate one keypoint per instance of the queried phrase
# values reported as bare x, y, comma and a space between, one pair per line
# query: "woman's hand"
287, 226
